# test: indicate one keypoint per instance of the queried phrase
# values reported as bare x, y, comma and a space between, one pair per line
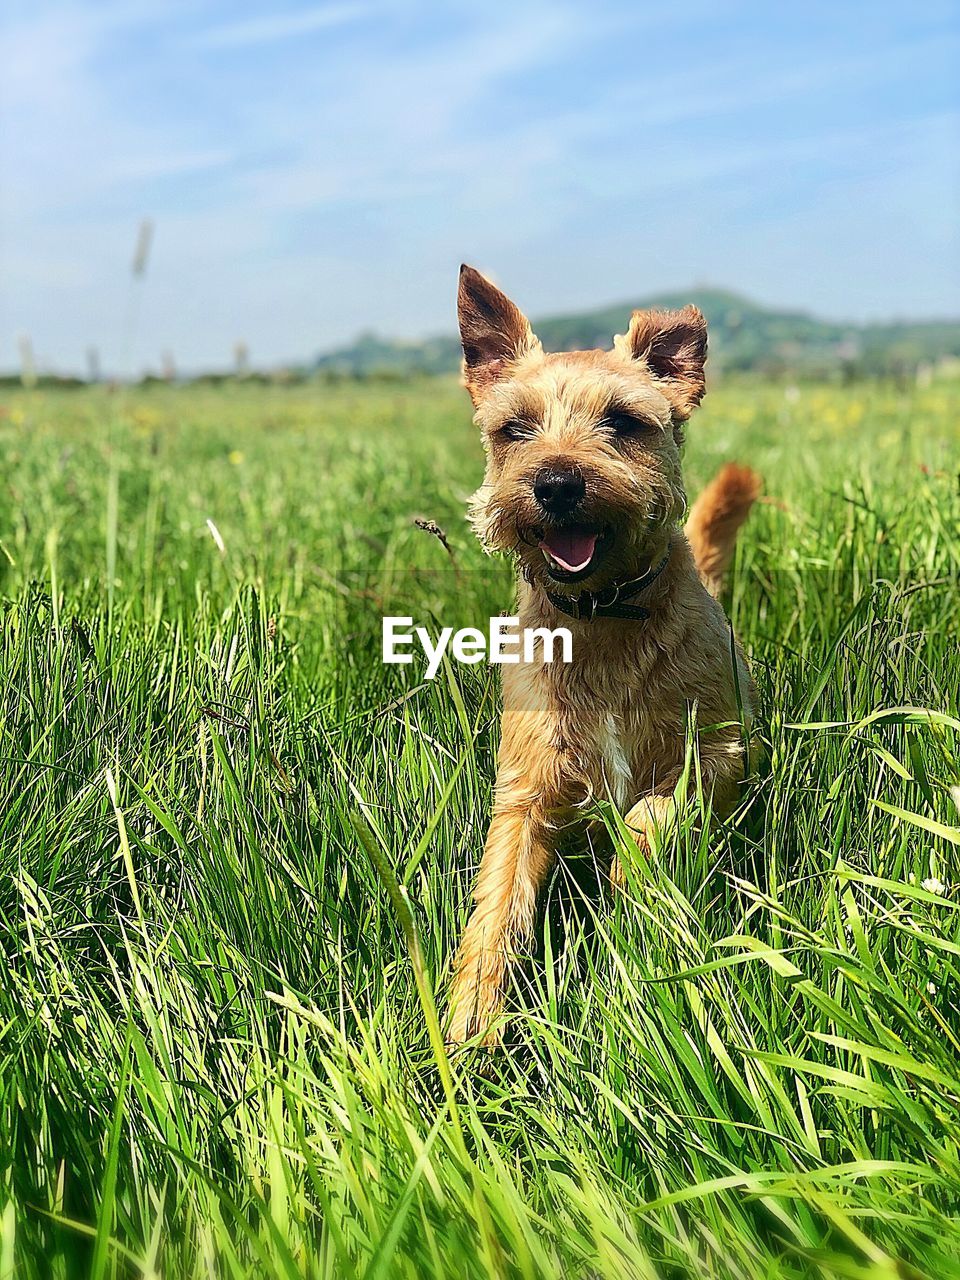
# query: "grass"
235, 852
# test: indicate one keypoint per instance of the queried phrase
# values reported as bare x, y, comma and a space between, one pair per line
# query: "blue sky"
318, 169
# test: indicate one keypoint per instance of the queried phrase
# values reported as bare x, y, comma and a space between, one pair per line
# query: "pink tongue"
572, 549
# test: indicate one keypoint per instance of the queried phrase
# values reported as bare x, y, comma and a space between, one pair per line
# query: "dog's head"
583, 476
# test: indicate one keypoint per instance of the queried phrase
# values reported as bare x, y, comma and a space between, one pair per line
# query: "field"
235, 852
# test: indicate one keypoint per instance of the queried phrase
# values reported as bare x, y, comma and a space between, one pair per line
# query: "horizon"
320, 172
228, 362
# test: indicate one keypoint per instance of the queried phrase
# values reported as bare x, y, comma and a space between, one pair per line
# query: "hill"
743, 336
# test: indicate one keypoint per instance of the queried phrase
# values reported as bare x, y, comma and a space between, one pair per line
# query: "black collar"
611, 601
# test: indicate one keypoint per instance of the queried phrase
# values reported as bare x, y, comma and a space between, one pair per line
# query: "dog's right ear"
494, 333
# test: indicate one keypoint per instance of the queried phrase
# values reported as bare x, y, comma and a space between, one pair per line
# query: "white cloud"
281, 26
167, 164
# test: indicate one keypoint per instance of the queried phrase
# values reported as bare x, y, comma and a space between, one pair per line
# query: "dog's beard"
625, 536
627, 533
494, 525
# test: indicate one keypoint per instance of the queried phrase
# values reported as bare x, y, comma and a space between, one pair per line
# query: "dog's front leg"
650, 820
517, 857
654, 817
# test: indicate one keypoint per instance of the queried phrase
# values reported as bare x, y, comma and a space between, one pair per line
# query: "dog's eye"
514, 430
622, 423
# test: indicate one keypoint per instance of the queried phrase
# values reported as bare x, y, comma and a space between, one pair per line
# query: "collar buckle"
586, 606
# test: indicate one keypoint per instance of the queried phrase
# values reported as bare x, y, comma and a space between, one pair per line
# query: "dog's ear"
494, 332
673, 346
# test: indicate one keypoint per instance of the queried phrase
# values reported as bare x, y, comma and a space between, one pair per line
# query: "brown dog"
584, 487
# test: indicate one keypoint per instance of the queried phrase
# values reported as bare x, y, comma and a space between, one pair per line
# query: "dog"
584, 488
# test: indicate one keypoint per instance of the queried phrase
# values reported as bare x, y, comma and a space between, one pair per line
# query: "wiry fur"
716, 517
612, 723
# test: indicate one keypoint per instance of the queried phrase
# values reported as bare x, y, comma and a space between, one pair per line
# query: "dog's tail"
715, 518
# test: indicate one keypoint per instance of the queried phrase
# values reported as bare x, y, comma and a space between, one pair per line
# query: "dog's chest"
611, 730
614, 756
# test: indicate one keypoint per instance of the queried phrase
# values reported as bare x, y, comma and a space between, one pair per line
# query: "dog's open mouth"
570, 551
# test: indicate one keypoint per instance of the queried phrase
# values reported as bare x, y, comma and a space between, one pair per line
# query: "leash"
611, 601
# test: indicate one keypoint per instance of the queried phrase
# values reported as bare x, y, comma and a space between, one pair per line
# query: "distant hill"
743, 336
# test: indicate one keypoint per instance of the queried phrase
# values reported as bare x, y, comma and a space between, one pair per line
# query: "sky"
316, 170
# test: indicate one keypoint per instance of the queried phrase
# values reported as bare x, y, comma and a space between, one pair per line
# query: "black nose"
558, 489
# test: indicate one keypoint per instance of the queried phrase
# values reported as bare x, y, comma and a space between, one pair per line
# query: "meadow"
236, 851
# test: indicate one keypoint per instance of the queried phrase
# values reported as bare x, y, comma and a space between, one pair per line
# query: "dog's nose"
558, 489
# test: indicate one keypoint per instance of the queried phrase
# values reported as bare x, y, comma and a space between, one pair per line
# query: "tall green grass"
235, 852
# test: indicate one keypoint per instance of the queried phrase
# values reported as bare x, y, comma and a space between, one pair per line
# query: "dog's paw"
475, 1031
653, 822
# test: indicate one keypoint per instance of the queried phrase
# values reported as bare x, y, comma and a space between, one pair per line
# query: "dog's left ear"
494, 332
673, 346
